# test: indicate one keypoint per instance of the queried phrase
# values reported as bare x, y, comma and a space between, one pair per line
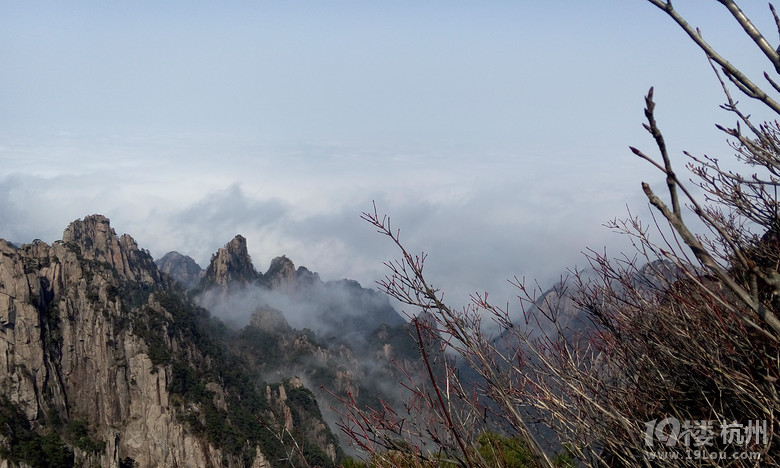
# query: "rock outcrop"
230, 267
281, 275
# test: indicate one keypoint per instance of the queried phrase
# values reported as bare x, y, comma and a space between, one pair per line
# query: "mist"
336, 310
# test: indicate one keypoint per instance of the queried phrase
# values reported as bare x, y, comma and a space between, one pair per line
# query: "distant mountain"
559, 302
182, 268
573, 324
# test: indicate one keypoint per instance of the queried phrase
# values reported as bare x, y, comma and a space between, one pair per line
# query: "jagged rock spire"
230, 267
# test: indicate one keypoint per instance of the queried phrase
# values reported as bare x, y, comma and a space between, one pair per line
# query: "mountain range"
110, 358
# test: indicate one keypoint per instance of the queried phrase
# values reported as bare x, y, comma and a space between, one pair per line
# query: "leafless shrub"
686, 329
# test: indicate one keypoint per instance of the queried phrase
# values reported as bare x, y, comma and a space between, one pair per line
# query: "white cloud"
494, 135
482, 220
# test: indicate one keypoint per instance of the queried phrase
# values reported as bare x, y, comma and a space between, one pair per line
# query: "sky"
494, 134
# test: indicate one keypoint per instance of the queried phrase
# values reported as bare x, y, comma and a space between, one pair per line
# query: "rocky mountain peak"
93, 238
93, 235
281, 274
230, 267
306, 277
182, 268
237, 246
281, 264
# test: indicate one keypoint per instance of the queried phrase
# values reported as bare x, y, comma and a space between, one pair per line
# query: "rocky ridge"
100, 353
337, 337
342, 308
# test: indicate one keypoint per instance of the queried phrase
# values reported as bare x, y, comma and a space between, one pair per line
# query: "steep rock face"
281, 275
72, 320
370, 369
230, 267
182, 268
94, 239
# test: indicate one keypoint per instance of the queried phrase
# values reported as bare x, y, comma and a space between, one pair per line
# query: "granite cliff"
105, 362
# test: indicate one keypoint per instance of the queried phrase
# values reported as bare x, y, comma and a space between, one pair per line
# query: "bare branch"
731, 71
652, 127
753, 32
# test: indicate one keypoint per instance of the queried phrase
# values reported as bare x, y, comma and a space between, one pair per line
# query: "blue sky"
495, 133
